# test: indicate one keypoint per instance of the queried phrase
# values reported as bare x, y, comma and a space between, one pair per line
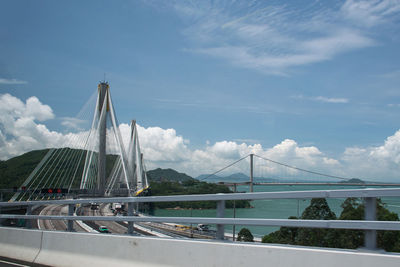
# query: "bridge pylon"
103, 91
105, 139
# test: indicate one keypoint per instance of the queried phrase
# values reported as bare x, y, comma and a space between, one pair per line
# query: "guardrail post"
220, 214
28, 223
130, 213
70, 224
370, 215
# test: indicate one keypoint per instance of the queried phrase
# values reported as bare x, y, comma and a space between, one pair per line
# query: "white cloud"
20, 131
331, 99
36, 110
11, 81
72, 123
160, 145
370, 13
323, 99
273, 38
19, 127
377, 162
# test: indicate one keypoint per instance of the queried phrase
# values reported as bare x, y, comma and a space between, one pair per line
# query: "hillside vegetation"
353, 209
158, 175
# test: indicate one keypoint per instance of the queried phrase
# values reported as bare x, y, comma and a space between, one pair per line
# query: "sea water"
274, 208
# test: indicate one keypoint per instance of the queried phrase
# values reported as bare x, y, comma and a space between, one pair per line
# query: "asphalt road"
114, 227
59, 225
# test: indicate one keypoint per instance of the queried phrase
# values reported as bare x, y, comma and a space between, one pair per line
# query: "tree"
245, 235
353, 209
285, 235
318, 210
388, 240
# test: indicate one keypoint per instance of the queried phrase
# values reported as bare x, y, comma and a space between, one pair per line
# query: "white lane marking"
13, 263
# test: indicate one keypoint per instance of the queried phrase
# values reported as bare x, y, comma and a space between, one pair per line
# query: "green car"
104, 230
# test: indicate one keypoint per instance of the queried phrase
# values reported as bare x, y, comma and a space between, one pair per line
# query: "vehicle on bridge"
202, 227
104, 230
94, 206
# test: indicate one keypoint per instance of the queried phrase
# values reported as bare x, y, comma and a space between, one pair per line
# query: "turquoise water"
274, 209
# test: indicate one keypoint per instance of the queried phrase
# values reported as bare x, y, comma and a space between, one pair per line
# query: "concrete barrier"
83, 249
20, 244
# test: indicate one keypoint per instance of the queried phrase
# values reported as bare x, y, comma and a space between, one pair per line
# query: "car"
103, 229
202, 227
94, 206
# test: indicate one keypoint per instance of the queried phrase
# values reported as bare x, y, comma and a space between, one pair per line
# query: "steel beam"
220, 214
343, 193
329, 224
130, 223
370, 215
70, 223
28, 223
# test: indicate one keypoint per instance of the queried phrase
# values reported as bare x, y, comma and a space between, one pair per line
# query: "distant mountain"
207, 177
353, 181
167, 175
238, 176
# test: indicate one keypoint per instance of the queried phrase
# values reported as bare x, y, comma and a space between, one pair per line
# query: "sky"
309, 83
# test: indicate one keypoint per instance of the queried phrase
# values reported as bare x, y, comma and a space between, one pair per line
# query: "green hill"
158, 175
14, 171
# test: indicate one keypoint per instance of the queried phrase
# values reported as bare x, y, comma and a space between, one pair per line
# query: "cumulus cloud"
22, 130
159, 145
378, 162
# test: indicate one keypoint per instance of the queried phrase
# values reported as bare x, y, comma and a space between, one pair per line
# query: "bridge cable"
303, 170
224, 168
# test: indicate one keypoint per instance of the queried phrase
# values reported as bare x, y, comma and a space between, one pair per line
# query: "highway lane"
60, 225
113, 227
170, 230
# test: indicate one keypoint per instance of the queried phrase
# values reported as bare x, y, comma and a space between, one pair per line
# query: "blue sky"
323, 74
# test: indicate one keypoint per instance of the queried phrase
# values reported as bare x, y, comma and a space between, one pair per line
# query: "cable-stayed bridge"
92, 161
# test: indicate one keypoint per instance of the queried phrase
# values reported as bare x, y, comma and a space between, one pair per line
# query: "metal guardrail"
370, 225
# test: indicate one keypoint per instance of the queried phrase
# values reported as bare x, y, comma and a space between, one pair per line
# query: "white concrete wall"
82, 249
20, 244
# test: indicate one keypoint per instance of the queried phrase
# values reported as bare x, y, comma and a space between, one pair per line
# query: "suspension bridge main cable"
226, 167
300, 169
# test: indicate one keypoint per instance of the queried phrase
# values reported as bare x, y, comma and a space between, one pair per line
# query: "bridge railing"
370, 224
